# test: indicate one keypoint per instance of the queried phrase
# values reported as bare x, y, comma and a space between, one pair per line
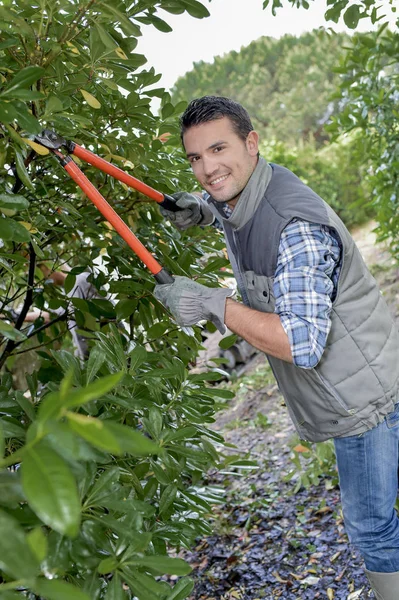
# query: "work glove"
190, 302
193, 211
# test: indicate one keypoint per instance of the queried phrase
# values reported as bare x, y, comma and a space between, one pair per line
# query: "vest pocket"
334, 398
260, 291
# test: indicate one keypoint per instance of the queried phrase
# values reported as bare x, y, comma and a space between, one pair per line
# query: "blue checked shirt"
304, 287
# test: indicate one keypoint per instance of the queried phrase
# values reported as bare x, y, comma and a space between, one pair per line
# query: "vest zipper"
240, 278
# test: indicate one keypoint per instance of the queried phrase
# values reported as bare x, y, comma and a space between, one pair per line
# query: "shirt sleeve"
305, 286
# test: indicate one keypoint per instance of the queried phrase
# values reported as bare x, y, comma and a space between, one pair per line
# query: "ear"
252, 143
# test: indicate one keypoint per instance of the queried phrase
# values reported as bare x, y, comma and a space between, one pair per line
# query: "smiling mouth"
218, 180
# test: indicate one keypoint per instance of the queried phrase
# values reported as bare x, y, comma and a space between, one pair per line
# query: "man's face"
221, 161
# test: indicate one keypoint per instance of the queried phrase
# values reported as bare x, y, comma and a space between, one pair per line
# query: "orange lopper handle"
108, 212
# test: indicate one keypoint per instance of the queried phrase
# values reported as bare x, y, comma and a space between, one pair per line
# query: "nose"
210, 165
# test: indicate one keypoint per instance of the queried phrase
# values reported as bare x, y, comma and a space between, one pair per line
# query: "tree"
368, 97
286, 84
102, 461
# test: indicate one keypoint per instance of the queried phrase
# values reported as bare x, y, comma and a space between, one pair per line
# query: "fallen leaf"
279, 579
336, 555
311, 580
300, 448
355, 595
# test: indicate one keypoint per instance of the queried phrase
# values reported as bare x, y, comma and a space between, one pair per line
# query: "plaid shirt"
305, 283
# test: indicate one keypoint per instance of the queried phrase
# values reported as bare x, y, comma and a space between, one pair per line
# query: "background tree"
289, 86
368, 97
286, 84
102, 461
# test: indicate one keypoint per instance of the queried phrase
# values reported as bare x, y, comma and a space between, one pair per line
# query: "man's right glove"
190, 302
193, 211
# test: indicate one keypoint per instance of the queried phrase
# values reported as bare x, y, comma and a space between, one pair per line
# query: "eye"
218, 149
193, 159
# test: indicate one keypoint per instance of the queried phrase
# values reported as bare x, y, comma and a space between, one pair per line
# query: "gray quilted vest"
355, 384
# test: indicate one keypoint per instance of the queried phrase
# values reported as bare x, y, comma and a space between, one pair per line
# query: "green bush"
335, 172
102, 462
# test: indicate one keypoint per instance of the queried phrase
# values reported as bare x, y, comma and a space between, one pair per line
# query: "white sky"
232, 24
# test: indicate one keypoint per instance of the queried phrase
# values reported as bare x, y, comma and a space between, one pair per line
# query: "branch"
34, 332
11, 344
73, 25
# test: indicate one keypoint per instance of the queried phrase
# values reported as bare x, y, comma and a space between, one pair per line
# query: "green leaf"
16, 557
9, 43
11, 489
115, 590
228, 341
167, 110
95, 432
93, 391
182, 589
11, 428
352, 16
26, 405
7, 330
8, 112
105, 37
110, 436
53, 105
127, 26
23, 79
163, 565
51, 489
95, 362
160, 24
58, 590
131, 441
156, 421
25, 119
145, 586
37, 541
13, 202
104, 485
196, 9
108, 565
10, 595
21, 170
167, 498
27, 95
14, 135
11, 230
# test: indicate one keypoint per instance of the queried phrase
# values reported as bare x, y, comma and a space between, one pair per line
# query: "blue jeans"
368, 477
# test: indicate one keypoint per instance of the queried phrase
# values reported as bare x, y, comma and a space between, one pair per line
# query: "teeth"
215, 181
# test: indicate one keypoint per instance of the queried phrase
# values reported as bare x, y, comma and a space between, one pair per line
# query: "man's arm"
262, 330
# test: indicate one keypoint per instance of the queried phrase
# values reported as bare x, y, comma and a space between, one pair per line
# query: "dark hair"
211, 108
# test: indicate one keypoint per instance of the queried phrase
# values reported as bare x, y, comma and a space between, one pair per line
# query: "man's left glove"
190, 302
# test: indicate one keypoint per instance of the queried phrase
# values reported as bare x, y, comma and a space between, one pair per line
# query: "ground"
275, 538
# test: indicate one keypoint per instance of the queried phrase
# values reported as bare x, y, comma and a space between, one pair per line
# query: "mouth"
218, 181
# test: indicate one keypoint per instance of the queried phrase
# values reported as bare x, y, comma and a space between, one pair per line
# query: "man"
310, 303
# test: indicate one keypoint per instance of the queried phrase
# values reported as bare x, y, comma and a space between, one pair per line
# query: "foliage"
102, 460
351, 12
311, 463
335, 172
285, 84
370, 94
